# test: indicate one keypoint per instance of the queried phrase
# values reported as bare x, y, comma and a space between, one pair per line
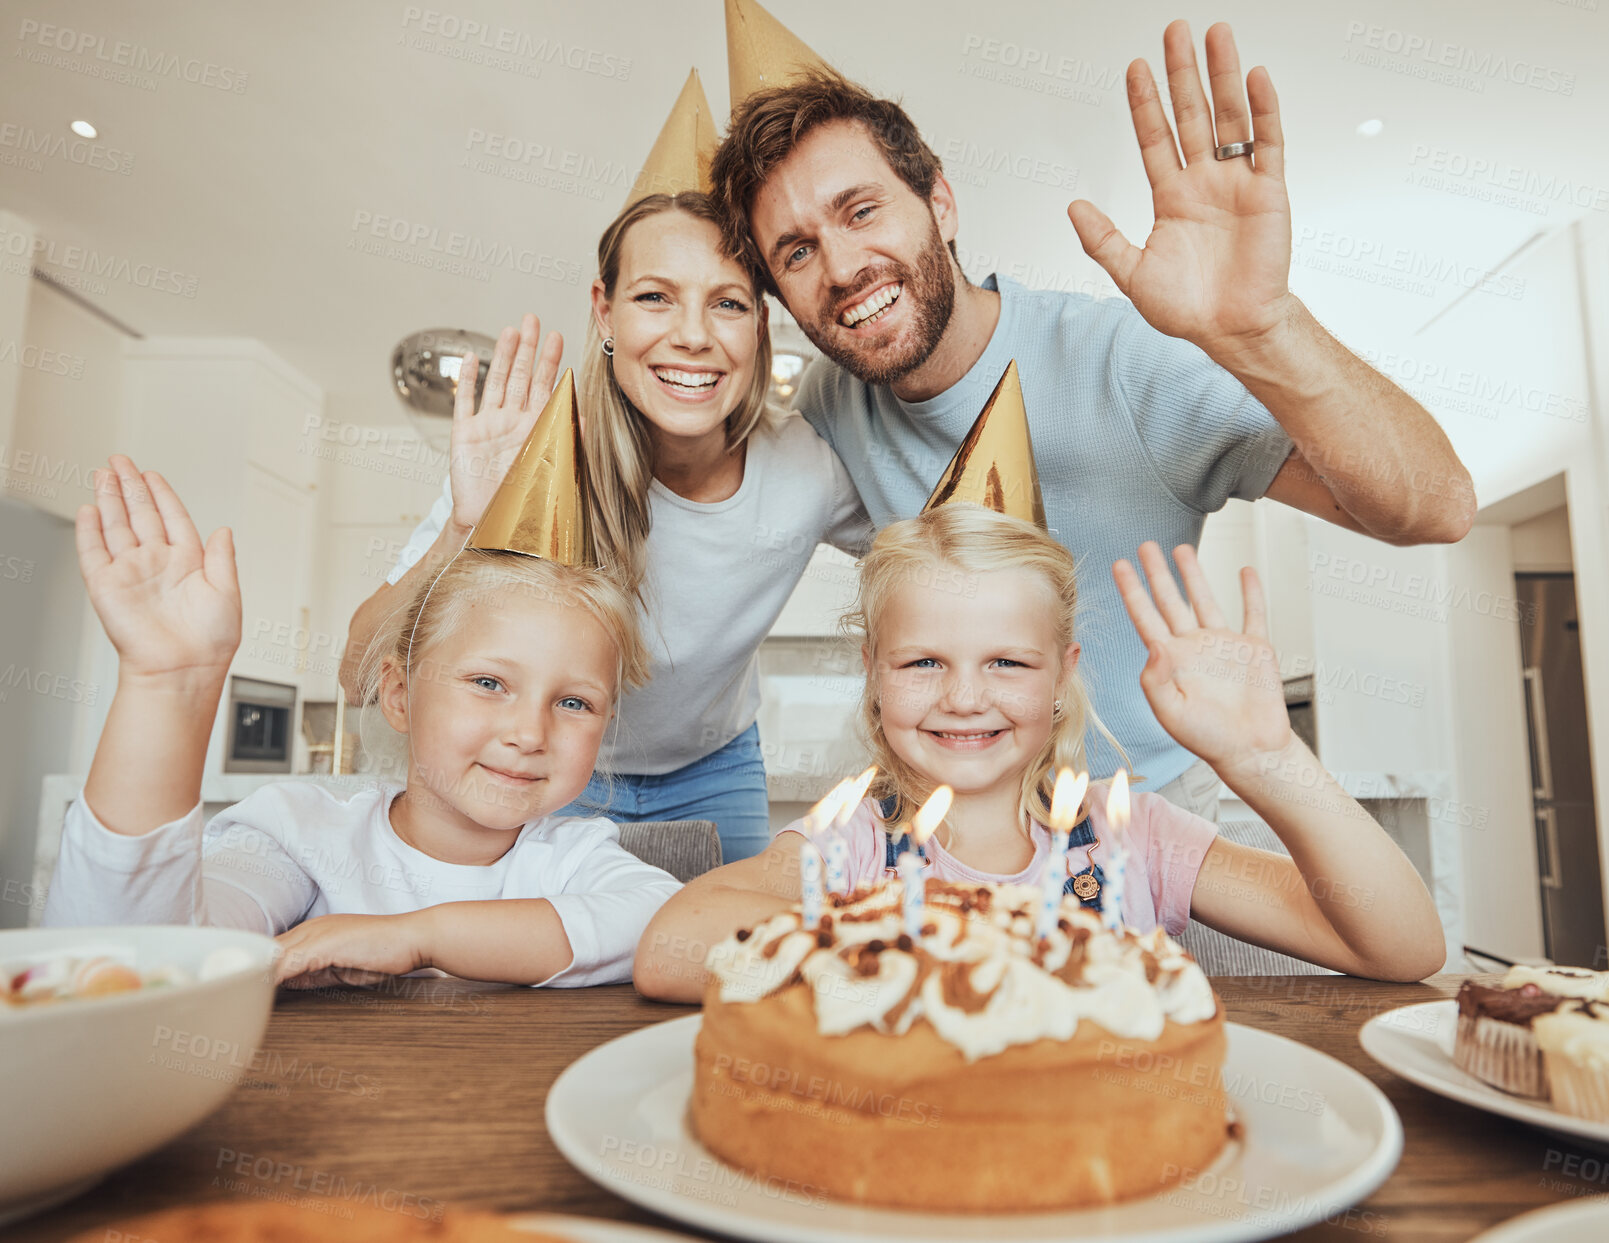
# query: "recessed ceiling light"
1371, 128
83, 129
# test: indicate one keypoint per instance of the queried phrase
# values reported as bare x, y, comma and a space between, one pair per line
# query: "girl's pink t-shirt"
1166, 846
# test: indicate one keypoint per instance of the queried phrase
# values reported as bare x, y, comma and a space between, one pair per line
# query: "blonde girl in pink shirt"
966, 617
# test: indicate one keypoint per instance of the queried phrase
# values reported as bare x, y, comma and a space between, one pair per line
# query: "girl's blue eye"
484, 678
1015, 664
923, 662
575, 703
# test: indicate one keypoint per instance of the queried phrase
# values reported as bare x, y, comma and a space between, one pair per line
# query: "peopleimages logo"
453, 250
478, 41
1436, 59
1368, 258
82, 49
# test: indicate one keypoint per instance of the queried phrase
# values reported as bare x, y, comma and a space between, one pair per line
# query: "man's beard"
928, 291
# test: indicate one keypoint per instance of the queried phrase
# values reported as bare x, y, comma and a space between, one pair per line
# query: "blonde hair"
619, 449
482, 577
973, 540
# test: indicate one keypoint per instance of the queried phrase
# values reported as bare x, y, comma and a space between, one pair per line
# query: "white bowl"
92, 1083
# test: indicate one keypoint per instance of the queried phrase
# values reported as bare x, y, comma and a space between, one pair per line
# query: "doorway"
1557, 739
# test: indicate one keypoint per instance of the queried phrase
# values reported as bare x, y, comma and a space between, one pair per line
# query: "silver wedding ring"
1231, 149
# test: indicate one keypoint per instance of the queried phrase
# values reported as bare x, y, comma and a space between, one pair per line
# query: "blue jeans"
726, 786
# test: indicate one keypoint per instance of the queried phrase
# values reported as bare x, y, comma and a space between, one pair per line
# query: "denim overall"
1083, 834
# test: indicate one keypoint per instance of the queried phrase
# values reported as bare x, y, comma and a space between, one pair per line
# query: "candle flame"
853, 791
1066, 799
931, 814
826, 811
1117, 803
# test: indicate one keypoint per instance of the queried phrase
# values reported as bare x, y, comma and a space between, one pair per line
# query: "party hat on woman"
680, 157
994, 467
541, 506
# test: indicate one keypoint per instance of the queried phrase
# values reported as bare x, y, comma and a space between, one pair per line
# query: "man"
1212, 381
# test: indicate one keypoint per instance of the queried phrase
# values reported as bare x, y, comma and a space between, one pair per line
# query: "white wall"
375, 485
62, 414
1492, 809
68, 406
16, 249
1513, 383
1541, 545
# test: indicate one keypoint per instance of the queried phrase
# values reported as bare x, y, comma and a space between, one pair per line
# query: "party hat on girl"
994, 467
541, 506
680, 157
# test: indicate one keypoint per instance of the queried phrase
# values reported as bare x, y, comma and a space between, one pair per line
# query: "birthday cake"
978, 1067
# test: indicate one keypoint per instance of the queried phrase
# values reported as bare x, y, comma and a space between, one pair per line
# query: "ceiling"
270, 187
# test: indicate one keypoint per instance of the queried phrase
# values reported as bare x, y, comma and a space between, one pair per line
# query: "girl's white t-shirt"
718, 576
293, 850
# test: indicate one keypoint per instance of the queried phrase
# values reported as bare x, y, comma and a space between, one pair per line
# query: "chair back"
684, 848
1222, 955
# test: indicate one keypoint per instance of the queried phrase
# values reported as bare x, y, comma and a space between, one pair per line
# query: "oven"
260, 718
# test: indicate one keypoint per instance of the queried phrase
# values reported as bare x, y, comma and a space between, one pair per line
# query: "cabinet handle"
1552, 876
1541, 763
1547, 819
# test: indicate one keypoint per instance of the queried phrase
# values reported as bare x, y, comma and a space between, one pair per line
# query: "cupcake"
1495, 1040
1574, 1040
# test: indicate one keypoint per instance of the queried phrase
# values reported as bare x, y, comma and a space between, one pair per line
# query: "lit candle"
851, 793
922, 827
825, 812
837, 864
1117, 818
1065, 800
809, 884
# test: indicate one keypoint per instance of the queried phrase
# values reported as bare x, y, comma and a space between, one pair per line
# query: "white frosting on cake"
1561, 981
979, 976
1579, 1033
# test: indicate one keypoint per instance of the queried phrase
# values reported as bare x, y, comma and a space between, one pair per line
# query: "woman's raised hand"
1215, 690
170, 604
484, 445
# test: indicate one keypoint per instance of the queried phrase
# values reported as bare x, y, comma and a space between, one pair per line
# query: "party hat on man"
680, 157
541, 506
994, 467
761, 52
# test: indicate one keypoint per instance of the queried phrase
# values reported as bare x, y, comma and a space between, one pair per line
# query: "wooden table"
432, 1090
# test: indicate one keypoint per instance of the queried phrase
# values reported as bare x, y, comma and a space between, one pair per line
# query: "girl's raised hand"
484, 445
1216, 691
170, 604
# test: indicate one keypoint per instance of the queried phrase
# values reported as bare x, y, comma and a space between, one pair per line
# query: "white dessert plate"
590, 1229
1416, 1042
1581, 1221
1318, 1137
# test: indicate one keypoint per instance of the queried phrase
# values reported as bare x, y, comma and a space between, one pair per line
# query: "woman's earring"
1055, 710
609, 346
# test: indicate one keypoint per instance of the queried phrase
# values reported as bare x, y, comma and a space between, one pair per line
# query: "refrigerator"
1566, 825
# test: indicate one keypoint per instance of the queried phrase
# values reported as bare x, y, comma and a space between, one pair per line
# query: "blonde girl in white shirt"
502, 677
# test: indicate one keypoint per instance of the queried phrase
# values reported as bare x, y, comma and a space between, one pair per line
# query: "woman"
707, 502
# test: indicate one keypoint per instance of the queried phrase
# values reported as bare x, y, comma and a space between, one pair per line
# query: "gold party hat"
994, 467
680, 157
541, 506
761, 51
